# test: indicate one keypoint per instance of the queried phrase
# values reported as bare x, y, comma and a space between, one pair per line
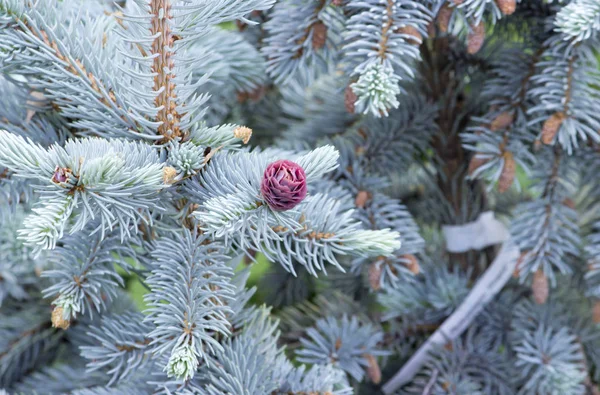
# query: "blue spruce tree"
314, 197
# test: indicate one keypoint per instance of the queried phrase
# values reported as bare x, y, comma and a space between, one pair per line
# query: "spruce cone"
374, 275
283, 185
502, 121
443, 18
596, 312
540, 287
551, 127
319, 37
373, 370
255, 95
362, 197
57, 319
349, 99
507, 7
411, 263
475, 38
507, 176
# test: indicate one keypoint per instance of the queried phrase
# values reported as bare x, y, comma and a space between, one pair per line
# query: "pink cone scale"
284, 185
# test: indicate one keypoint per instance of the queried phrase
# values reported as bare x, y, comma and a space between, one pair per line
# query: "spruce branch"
27, 32
163, 66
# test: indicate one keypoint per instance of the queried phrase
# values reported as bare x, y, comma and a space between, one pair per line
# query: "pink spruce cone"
283, 185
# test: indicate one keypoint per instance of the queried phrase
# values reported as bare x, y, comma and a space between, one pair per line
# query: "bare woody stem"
386, 29
163, 65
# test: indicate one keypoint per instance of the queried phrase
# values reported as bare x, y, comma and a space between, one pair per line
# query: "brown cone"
551, 127
443, 18
596, 312
373, 370
502, 121
412, 264
349, 99
507, 176
475, 38
57, 319
362, 197
319, 35
375, 271
507, 7
540, 287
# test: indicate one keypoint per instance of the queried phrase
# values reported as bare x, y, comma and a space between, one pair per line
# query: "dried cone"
254, 95
508, 172
540, 287
412, 31
375, 271
596, 312
458, 2
362, 197
319, 37
443, 18
243, 133
169, 174
475, 38
502, 121
373, 370
507, 7
57, 319
349, 99
475, 163
551, 127
411, 263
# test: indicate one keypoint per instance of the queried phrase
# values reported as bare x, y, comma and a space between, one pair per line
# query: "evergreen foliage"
135, 136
